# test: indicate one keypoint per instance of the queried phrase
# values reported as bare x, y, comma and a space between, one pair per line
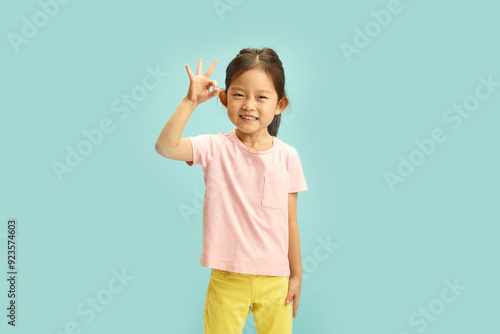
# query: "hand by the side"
294, 285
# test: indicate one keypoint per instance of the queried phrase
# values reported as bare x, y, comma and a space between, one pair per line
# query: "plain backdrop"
392, 115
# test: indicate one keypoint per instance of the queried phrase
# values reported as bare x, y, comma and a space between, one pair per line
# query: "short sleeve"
297, 180
204, 147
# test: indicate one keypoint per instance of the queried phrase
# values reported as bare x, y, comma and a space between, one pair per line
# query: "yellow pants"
231, 296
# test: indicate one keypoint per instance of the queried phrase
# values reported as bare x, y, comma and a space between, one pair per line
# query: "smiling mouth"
249, 118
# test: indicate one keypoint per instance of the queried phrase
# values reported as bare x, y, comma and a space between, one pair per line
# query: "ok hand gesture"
199, 85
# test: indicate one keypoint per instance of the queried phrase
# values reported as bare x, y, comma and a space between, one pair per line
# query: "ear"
282, 104
223, 97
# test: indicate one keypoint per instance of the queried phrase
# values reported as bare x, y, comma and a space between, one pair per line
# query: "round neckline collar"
233, 133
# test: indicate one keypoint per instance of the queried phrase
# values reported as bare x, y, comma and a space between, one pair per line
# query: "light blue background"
349, 120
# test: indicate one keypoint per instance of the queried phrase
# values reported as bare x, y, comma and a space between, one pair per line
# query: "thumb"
289, 297
214, 93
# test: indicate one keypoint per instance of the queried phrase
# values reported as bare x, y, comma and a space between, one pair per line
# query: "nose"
248, 105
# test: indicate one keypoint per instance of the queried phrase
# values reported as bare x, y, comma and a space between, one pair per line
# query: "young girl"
250, 230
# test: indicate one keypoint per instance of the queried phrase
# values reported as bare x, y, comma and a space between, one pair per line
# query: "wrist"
190, 102
296, 273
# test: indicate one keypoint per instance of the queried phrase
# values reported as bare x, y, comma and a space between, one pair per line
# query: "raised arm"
170, 143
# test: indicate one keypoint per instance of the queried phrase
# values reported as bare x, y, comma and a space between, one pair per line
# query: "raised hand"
199, 85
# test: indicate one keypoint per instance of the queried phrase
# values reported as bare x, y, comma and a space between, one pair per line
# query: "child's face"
253, 94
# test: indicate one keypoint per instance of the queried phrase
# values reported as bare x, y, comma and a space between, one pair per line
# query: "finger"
214, 84
295, 308
295, 305
211, 68
190, 73
200, 65
215, 91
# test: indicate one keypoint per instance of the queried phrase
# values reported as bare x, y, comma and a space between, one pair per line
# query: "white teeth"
254, 118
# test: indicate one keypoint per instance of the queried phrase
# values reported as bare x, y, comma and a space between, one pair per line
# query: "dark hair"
266, 59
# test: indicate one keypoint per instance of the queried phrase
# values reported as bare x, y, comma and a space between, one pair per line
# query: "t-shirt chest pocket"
275, 192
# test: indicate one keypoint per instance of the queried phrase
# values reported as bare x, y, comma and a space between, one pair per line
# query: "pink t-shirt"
245, 209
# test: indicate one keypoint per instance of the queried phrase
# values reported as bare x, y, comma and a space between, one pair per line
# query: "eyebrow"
260, 90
